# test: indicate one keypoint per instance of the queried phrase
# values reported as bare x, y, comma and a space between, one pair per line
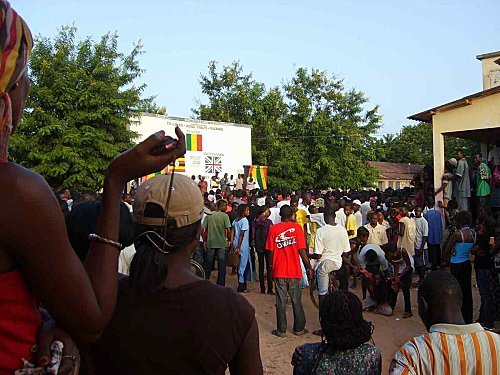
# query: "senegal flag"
259, 174
194, 142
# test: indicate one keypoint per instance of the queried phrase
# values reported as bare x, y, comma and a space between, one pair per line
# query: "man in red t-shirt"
286, 241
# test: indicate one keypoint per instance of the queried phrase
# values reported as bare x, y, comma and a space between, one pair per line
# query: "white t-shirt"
331, 242
359, 218
305, 208
340, 217
125, 259
275, 215
283, 203
250, 184
261, 201
380, 254
422, 230
317, 218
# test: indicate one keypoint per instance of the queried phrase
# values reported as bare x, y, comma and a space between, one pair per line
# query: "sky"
405, 56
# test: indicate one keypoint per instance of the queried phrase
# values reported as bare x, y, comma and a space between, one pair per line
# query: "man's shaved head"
439, 298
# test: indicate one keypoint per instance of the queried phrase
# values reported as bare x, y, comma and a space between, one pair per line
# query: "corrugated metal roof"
395, 171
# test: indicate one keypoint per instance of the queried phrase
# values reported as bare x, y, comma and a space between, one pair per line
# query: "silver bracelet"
96, 237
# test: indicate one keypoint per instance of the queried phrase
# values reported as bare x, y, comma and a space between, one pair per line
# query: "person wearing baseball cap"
163, 304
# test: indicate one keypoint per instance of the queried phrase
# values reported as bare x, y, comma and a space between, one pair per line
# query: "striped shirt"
450, 349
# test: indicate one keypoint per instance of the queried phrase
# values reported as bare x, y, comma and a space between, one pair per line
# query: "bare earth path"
390, 332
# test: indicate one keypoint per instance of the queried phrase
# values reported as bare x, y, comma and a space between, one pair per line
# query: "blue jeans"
292, 288
209, 264
486, 314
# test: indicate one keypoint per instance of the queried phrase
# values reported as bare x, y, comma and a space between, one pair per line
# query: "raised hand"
142, 159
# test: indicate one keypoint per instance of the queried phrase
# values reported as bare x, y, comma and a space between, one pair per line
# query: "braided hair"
341, 319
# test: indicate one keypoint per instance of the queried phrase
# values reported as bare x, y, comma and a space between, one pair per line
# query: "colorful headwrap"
15, 48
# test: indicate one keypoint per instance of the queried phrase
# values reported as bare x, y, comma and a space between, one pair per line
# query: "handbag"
233, 259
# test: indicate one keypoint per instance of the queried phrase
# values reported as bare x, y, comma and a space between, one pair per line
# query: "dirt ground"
390, 332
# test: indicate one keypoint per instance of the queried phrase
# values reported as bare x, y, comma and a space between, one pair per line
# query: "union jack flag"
213, 164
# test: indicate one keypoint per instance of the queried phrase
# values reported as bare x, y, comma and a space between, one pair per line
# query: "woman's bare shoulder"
18, 183
12, 174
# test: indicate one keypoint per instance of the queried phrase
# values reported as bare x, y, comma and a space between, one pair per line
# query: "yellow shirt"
313, 228
301, 217
351, 224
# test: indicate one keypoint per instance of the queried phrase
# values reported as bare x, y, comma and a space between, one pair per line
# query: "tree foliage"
149, 105
311, 131
413, 144
78, 113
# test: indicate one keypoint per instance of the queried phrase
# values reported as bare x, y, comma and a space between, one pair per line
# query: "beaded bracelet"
96, 237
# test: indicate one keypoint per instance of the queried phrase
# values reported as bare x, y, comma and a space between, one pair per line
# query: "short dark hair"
220, 203
452, 204
363, 232
371, 256
286, 211
261, 210
342, 321
463, 218
241, 209
438, 287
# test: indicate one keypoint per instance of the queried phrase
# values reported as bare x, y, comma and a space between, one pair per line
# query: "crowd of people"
105, 286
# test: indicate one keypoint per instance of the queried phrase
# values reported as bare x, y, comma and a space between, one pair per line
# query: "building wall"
491, 72
395, 184
229, 142
482, 113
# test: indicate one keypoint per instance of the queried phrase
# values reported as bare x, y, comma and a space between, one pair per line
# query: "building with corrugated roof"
475, 117
394, 175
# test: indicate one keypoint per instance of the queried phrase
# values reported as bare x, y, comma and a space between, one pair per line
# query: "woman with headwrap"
37, 263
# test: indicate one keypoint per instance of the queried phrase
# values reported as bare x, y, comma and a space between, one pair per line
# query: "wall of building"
491, 72
482, 113
222, 143
395, 184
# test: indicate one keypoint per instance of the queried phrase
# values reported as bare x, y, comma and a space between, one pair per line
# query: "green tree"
149, 105
234, 96
82, 101
330, 128
413, 144
311, 131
